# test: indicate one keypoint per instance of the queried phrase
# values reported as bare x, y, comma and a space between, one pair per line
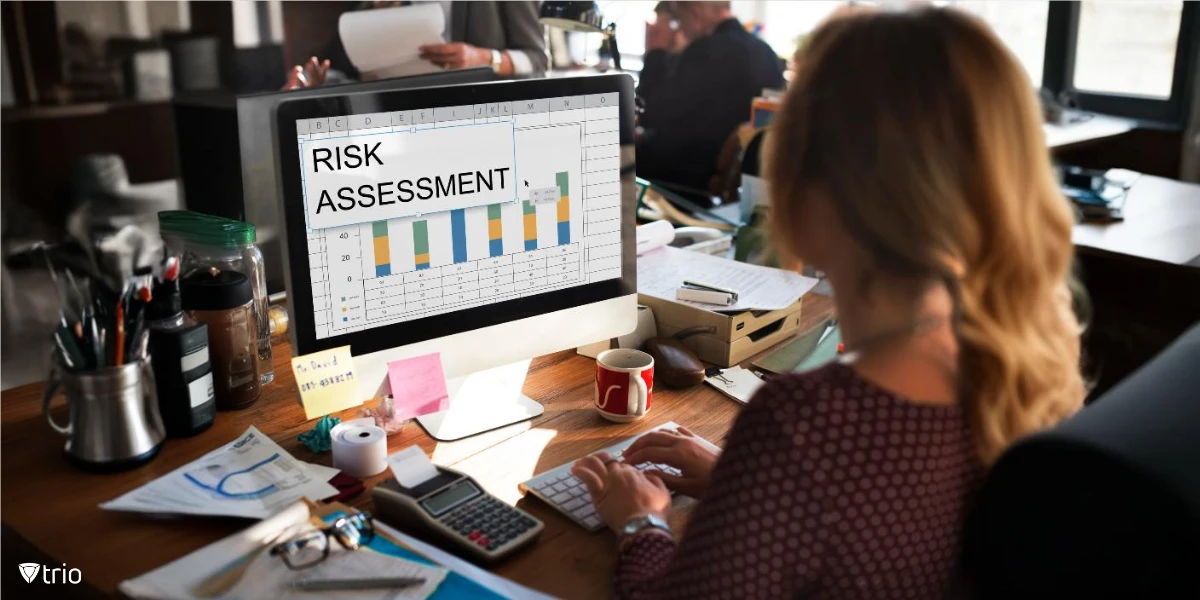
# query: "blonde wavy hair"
924, 132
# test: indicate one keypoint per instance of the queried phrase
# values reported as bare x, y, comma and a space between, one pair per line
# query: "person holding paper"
695, 98
506, 36
907, 162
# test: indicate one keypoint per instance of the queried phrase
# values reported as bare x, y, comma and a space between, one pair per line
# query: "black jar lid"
215, 290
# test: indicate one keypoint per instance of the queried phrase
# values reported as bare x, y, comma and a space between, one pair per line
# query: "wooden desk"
1162, 224
51, 509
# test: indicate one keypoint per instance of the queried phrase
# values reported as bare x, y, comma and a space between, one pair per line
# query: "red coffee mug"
624, 384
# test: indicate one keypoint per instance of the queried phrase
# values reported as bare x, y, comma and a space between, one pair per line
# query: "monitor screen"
443, 208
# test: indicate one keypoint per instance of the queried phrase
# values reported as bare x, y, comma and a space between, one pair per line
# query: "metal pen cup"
114, 423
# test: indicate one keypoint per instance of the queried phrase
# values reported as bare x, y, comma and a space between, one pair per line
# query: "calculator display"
445, 500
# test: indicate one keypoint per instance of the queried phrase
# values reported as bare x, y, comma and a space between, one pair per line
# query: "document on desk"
216, 571
251, 477
386, 41
268, 577
661, 271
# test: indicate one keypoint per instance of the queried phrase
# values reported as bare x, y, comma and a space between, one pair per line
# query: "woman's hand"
310, 74
619, 491
679, 449
456, 55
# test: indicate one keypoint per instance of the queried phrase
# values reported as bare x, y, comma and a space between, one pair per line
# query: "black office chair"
1107, 505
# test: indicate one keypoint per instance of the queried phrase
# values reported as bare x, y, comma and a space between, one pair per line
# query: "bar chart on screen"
560, 230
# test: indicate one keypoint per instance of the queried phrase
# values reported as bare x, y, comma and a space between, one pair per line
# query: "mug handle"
637, 395
52, 385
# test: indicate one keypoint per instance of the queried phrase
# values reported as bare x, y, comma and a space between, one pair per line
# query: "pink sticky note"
418, 386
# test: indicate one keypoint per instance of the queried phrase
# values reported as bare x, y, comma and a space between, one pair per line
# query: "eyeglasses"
311, 547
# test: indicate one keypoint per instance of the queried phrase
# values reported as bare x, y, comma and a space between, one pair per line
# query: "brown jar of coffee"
223, 300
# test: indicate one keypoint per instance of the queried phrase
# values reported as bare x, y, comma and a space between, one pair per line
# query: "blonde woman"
908, 163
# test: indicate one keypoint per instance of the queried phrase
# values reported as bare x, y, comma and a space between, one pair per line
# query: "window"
785, 24
1020, 25
1127, 47
631, 19
1129, 59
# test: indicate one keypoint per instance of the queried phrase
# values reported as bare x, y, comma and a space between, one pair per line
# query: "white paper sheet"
384, 40
661, 271
321, 472
250, 477
177, 579
269, 577
411, 467
737, 383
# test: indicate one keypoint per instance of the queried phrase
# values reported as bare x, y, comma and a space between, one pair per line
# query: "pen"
314, 585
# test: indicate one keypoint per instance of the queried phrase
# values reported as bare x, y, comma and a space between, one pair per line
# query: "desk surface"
53, 507
1096, 128
1162, 223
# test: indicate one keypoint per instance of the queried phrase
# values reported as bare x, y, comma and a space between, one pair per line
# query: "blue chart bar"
564, 232
458, 234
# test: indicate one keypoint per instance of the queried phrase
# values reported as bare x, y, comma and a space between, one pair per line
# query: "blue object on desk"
455, 585
319, 439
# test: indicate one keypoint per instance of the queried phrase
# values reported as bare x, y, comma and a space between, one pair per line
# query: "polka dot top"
829, 487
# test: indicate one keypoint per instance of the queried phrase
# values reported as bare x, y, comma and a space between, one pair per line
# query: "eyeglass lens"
305, 550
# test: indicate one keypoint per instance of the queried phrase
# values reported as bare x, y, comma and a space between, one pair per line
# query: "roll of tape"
359, 447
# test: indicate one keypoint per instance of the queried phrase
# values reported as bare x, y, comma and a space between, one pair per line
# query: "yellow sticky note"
327, 381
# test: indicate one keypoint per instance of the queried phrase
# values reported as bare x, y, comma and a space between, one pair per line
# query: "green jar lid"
208, 230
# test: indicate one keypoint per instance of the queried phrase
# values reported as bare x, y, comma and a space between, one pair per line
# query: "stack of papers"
250, 477
662, 271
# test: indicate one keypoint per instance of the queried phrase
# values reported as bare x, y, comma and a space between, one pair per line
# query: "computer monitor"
257, 202
490, 223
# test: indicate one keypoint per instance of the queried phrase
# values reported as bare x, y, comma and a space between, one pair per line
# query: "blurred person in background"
695, 98
479, 32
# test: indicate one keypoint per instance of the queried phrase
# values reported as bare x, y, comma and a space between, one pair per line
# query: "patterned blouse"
829, 487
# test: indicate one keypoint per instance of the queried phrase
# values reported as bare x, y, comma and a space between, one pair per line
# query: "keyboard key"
559, 477
592, 522
560, 497
559, 487
587, 497
585, 511
573, 504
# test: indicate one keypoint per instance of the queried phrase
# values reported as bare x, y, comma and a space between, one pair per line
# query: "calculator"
454, 508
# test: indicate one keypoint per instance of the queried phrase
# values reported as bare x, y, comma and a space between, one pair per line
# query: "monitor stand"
483, 401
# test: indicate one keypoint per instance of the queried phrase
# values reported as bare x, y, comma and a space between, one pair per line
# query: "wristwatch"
638, 524
497, 58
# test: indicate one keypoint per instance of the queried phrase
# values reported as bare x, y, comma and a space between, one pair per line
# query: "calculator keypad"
488, 522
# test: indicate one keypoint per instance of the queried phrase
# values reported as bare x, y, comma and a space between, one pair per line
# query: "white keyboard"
565, 492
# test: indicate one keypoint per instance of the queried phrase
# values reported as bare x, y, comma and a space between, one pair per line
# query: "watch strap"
641, 523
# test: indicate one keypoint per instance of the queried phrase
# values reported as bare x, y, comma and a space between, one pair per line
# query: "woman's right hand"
679, 449
310, 74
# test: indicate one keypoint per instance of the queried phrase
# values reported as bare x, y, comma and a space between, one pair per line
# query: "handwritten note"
326, 381
418, 386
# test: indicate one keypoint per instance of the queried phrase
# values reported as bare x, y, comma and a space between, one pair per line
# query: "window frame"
1058, 70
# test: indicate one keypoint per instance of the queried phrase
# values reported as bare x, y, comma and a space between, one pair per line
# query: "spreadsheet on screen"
429, 211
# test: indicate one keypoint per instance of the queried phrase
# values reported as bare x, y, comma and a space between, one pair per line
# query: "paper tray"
733, 338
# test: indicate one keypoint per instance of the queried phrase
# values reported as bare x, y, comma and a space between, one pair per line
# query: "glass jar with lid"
204, 242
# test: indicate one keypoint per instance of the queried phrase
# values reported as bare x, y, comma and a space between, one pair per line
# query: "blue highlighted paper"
453, 586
